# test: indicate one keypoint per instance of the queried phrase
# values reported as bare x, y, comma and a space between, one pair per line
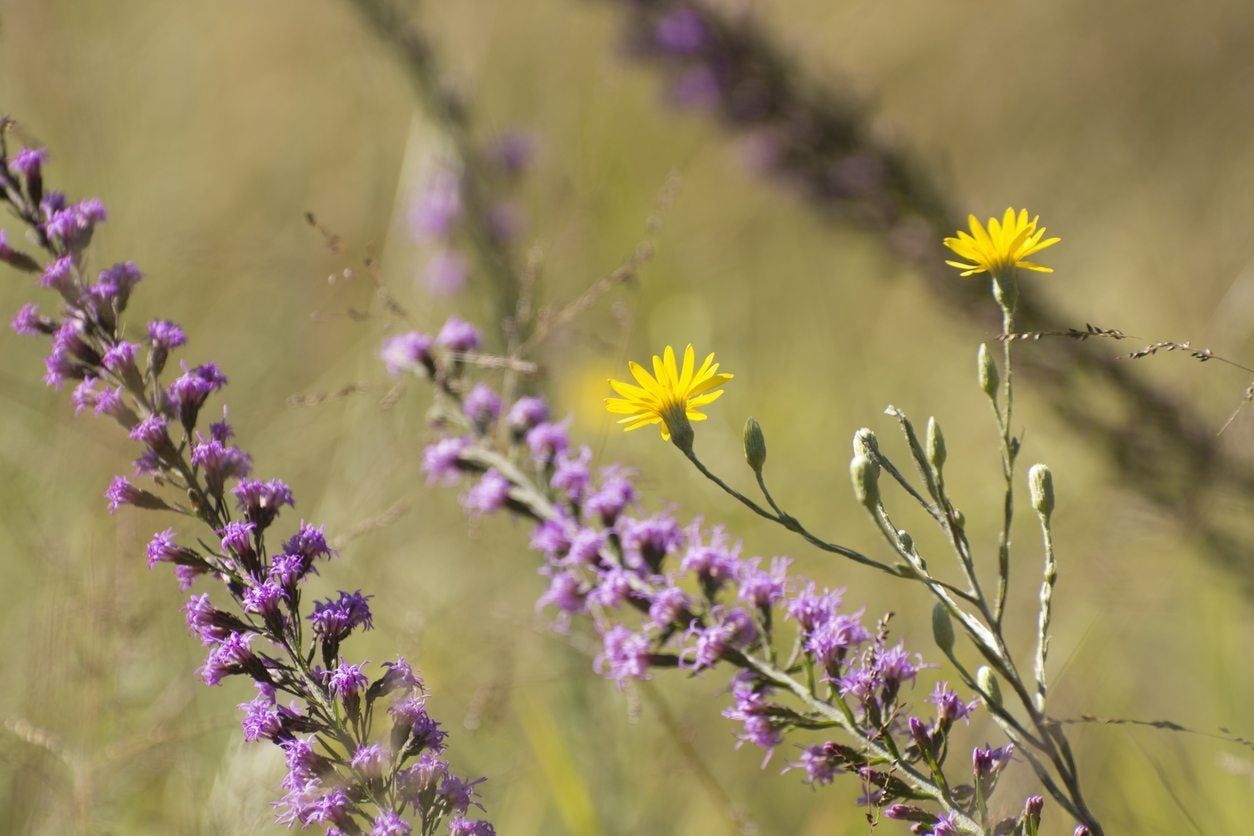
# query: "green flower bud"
755, 445
936, 452
942, 628
866, 444
990, 379
865, 473
1041, 489
987, 681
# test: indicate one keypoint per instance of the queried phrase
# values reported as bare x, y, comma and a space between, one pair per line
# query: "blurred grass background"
208, 131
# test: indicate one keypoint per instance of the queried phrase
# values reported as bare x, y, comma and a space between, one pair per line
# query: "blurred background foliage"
210, 129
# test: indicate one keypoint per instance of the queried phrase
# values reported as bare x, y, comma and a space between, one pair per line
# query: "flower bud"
865, 473
865, 444
755, 445
990, 379
936, 452
987, 680
942, 628
1041, 489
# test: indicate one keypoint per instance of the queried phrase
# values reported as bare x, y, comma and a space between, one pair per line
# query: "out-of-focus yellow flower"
671, 396
1002, 247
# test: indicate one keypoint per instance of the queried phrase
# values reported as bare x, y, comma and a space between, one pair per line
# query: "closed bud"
942, 628
866, 444
755, 445
1032, 809
1041, 489
865, 473
936, 452
987, 680
990, 379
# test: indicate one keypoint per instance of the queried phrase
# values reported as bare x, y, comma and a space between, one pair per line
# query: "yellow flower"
670, 396
1002, 247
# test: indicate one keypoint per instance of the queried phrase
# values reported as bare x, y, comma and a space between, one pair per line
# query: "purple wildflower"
59, 275
237, 538
572, 476
262, 719
811, 608
407, 352
460, 826
166, 335
527, 413
335, 619
151, 431
669, 604
205, 621
489, 494
369, 759
29, 161
29, 323
228, 657
760, 587
987, 761
482, 406
346, 681
309, 542
122, 492
753, 711
546, 440
612, 498
388, 823
261, 500
163, 549
647, 541
586, 546
820, 762
439, 460
458, 794
120, 358
458, 335
264, 598
714, 562
419, 728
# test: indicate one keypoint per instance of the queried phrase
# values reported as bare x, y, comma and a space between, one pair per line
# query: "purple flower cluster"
311, 701
661, 594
